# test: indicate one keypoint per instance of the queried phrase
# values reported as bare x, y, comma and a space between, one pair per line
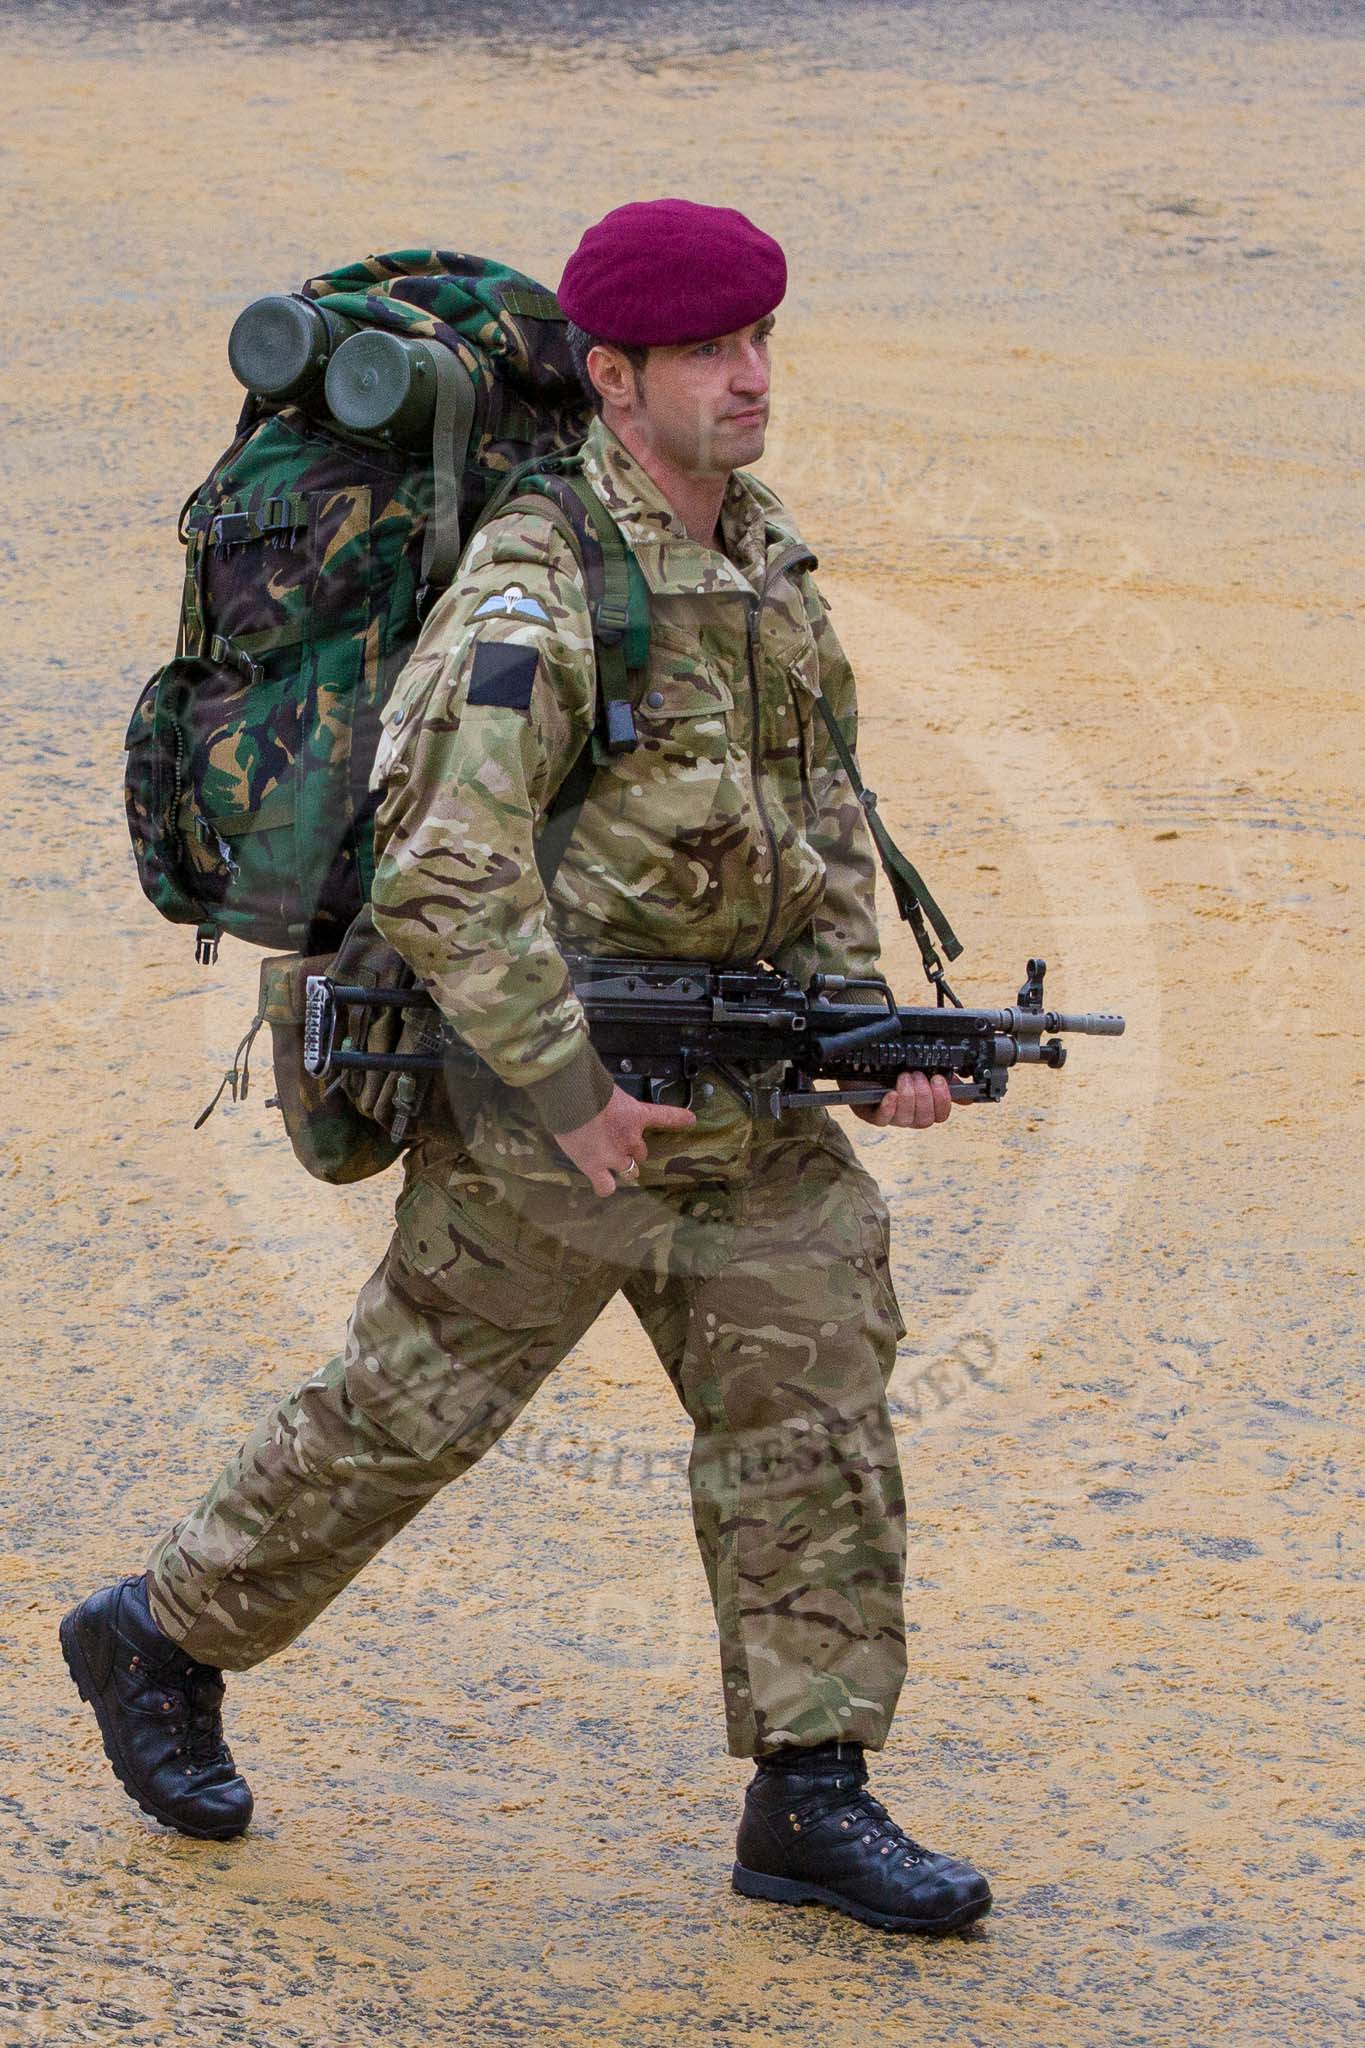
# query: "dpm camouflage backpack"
311, 552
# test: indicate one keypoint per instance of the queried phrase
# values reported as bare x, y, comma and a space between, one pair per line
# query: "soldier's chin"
744, 440
728, 445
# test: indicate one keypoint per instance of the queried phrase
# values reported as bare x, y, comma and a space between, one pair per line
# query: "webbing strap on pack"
451, 428
619, 600
557, 828
193, 636
235, 523
618, 604
908, 886
618, 596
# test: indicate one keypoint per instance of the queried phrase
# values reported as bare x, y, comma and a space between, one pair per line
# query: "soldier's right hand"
613, 1142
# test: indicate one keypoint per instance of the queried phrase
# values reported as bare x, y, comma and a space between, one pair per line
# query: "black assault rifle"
656, 1024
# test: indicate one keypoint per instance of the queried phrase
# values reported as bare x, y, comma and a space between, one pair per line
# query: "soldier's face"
702, 405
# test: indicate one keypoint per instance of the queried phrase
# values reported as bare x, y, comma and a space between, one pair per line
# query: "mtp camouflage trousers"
770, 1304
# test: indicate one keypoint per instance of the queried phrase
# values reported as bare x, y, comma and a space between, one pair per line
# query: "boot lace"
865, 1816
895, 1844
204, 1742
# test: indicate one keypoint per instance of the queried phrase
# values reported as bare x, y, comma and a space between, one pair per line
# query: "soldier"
755, 1254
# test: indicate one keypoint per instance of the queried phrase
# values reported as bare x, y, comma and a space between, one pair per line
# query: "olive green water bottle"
384, 384
280, 346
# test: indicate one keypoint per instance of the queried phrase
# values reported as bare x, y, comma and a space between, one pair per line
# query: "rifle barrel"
1092, 1023
1022, 1023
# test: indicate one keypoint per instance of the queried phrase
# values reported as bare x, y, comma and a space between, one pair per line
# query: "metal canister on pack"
280, 346
384, 384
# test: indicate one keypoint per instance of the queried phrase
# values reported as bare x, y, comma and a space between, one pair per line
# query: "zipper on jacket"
786, 560
755, 607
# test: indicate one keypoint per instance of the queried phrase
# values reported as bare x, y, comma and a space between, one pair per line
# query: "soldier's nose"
751, 379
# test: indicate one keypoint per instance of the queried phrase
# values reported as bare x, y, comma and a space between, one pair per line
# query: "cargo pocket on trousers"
887, 1289
874, 1232
460, 1324
495, 1264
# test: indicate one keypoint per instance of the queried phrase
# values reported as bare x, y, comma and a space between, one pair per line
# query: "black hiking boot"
813, 1833
159, 1714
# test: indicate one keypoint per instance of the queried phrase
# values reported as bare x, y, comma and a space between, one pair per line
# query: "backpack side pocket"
154, 788
330, 1136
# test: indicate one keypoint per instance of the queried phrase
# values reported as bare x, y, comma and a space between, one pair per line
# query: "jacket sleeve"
841, 937
486, 719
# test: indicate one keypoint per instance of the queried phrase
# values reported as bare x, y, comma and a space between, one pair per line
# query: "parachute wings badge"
513, 603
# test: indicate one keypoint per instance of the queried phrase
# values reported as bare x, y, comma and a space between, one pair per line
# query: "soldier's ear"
615, 378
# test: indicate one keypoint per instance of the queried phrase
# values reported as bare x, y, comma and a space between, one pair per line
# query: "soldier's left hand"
914, 1104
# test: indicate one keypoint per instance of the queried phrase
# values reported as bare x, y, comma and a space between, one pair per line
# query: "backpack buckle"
228, 654
610, 623
229, 529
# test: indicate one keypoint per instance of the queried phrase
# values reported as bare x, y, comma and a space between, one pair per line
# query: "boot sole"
790, 1891
84, 1683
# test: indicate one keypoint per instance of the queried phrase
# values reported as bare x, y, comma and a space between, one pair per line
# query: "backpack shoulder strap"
452, 428
618, 603
618, 598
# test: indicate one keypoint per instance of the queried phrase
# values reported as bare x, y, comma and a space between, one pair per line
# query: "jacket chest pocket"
799, 720
683, 720
789, 673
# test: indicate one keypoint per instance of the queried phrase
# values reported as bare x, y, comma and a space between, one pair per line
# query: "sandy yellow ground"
1069, 401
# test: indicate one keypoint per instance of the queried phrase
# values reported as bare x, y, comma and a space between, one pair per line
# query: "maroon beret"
668, 270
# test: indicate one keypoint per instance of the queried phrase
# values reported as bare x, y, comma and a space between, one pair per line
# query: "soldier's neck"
696, 499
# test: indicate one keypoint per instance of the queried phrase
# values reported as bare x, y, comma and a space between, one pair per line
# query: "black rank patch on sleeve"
503, 675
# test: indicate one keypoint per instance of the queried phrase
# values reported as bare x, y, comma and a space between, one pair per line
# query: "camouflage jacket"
729, 834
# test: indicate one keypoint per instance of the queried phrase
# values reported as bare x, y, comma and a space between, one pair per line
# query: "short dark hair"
580, 342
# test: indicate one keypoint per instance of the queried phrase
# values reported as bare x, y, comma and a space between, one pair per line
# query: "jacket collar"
671, 562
